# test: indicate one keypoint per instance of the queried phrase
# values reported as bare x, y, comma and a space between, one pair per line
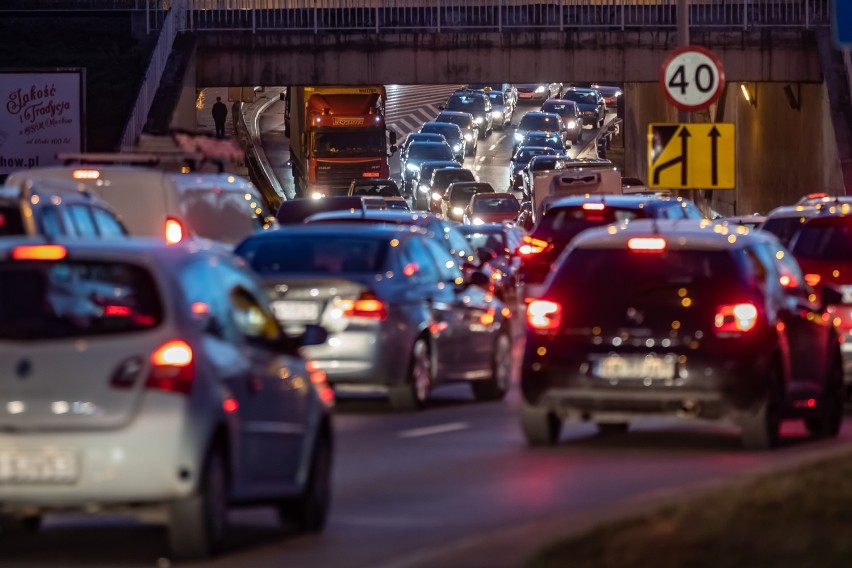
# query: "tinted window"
539, 122
82, 219
447, 131
784, 228
459, 119
825, 239
381, 190
200, 284
524, 155
11, 222
73, 299
315, 254
451, 239
581, 97
108, 226
50, 223
424, 268
463, 194
340, 144
562, 109
224, 216
445, 178
496, 205
492, 239
430, 152
571, 220
447, 266
466, 103
297, 210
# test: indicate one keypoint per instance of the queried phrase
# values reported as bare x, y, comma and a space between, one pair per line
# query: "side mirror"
830, 296
393, 150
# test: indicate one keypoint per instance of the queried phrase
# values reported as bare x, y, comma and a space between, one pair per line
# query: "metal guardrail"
497, 15
172, 22
78, 5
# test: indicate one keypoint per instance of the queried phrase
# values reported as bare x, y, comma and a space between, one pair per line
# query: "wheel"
309, 511
414, 393
540, 426
612, 428
197, 523
827, 425
760, 428
498, 385
11, 525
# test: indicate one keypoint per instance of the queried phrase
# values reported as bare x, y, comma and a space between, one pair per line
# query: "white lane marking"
477, 168
432, 430
491, 149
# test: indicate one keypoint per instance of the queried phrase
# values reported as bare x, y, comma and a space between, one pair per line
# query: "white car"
138, 377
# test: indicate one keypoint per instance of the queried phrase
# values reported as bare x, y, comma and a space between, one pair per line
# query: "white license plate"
615, 367
847, 294
296, 311
525, 95
48, 466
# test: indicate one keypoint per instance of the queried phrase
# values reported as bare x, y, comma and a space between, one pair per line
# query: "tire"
612, 428
498, 385
16, 526
197, 523
827, 425
760, 428
540, 426
309, 512
415, 392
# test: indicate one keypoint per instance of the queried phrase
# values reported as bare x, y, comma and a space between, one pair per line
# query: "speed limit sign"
692, 77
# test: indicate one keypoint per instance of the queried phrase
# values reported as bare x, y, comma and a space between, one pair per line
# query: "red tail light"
172, 367
735, 318
544, 315
812, 279
366, 306
532, 246
39, 252
788, 281
174, 231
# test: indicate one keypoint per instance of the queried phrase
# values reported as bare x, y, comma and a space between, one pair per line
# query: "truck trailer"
337, 134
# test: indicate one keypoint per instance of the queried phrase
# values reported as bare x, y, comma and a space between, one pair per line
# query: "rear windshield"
466, 103
525, 155
562, 109
74, 299
430, 152
297, 210
461, 120
568, 221
380, 190
581, 97
447, 131
784, 228
224, 216
447, 178
11, 222
496, 205
315, 254
825, 241
463, 194
493, 240
539, 122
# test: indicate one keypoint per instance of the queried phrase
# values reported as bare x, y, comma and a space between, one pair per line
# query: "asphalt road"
453, 485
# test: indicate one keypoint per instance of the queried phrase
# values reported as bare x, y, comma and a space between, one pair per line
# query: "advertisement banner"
41, 115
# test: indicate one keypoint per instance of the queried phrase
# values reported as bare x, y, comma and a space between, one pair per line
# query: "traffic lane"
277, 146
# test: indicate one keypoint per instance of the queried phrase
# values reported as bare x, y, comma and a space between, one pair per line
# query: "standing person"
220, 113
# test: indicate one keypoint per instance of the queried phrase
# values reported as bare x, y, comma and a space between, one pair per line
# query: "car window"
225, 216
825, 239
82, 219
691, 211
419, 265
448, 267
51, 225
200, 283
11, 222
252, 319
315, 254
108, 225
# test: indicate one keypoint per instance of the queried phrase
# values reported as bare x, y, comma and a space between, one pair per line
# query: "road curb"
513, 546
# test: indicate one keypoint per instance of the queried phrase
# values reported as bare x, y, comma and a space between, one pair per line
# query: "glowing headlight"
458, 211
412, 167
519, 137
468, 137
479, 120
497, 114
317, 195
539, 89
478, 221
618, 93
456, 147
436, 196
572, 124
424, 187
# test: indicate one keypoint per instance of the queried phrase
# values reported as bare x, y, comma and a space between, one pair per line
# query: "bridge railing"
497, 15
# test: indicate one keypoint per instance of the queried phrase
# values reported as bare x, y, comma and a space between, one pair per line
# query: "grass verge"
799, 518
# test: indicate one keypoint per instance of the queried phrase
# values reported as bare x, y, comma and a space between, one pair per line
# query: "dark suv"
567, 216
685, 320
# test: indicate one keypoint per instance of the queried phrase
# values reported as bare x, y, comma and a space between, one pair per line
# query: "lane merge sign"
691, 155
842, 23
692, 78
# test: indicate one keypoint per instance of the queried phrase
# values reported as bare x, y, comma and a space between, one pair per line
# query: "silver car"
138, 376
400, 315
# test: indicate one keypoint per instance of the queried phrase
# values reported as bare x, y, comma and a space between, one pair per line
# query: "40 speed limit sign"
692, 77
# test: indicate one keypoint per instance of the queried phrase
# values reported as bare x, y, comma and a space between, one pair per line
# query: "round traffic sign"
692, 77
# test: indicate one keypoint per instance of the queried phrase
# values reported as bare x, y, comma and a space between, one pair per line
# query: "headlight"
468, 136
423, 187
618, 93
458, 211
539, 89
519, 137
478, 221
317, 195
572, 124
479, 120
412, 167
436, 196
457, 148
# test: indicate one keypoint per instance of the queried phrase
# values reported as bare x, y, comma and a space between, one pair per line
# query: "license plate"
615, 367
847, 294
49, 466
525, 95
296, 311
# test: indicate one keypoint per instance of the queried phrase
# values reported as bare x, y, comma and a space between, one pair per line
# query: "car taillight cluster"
174, 232
735, 318
366, 306
172, 368
532, 246
544, 315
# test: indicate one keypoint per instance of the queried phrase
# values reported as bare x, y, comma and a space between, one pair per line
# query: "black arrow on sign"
682, 159
714, 157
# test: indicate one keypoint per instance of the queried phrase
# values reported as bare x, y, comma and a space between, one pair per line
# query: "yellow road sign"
691, 155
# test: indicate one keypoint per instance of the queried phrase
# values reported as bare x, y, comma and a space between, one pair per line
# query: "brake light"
172, 367
174, 231
39, 252
85, 174
544, 315
735, 318
532, 246
788, 281
593, 206
812, 279
117, 311
646, 244
367, 306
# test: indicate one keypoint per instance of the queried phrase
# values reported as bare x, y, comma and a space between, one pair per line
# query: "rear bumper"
142, 463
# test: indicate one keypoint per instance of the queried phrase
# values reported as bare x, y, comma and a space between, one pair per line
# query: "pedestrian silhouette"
220, 113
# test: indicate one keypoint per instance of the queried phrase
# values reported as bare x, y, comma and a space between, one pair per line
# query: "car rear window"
568, 221
430, 152
461, 120
446, 178
562, 109
466, 103
315, 254
539, 122
11, 222
74, 299
784, 228
825, 239
224, 216
496, 205
444, 130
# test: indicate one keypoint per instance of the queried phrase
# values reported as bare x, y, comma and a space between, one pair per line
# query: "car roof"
424, 136
616, 200
377, 216
681, 234
793, 211
332, 228
434, 163
559, 102
582, 89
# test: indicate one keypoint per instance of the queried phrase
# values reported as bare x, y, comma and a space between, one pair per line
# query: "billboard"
41, 114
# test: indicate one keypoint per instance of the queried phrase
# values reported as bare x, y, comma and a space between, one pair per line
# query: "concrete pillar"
184, 116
